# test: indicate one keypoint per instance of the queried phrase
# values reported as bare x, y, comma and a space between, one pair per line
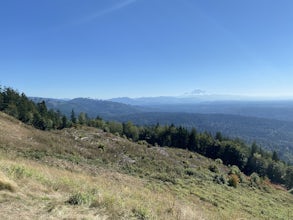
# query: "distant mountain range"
184, 99
280, 110
269, 123
93, 107
271, 109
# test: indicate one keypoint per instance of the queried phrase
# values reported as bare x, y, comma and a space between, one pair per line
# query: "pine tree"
73, 117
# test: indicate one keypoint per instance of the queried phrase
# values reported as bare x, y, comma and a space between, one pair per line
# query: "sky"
140, 48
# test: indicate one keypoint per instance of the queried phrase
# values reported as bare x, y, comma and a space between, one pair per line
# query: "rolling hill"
85, 173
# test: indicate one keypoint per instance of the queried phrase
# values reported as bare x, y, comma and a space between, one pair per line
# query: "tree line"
249, 159
36, 114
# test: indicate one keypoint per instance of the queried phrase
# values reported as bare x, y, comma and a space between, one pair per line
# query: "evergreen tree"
219, 136
289, 177
81, 118
73, 117
64, 122
275, 156
192, 140
276, 172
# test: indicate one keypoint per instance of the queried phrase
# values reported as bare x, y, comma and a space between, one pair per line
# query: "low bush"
255, 180
85, 198
190, 171
213, 168
140, 213
220, 179
233, 180
218, 161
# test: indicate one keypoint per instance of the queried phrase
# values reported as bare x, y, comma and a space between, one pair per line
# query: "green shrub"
142, 142
213, 168
164, 177
18, 171
79, 198
218, 161
255, 180
235, 170
140, 213
220, 179
101, 147
190, 171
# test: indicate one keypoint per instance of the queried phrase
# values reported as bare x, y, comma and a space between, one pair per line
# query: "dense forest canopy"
249, 159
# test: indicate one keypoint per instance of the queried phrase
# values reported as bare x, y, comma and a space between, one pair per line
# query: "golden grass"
6, 184
52, 171
112, 195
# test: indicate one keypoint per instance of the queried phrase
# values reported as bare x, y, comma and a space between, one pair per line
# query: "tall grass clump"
6, 184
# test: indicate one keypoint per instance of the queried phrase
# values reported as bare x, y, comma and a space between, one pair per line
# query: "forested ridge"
249, 159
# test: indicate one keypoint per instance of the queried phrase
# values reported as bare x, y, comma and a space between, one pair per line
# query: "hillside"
85, 173
269, 123
269, 133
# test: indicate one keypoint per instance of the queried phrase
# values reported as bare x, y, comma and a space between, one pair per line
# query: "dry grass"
44, 191
6, 184
67, 175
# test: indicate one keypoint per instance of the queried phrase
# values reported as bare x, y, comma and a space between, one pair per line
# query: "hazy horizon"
146, 48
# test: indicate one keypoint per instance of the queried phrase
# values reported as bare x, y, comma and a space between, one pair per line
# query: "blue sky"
113, 48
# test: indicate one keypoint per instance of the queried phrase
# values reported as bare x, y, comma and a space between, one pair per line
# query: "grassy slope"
109, 177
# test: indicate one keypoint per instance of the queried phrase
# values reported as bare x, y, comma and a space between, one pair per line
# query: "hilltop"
84, 172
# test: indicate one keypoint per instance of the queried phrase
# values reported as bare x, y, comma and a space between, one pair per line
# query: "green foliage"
289, 177
276, 171
80, 198
131, 131
190, 171
115, 127
20, 107
218, 161
275, 156
140, 213
213, 168
220, 179
19, 172
82, 118
230, 152
227, 151
219, 136
73, 117
255, 180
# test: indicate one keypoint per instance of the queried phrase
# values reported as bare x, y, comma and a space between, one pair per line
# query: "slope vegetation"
85, 173
271, 134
